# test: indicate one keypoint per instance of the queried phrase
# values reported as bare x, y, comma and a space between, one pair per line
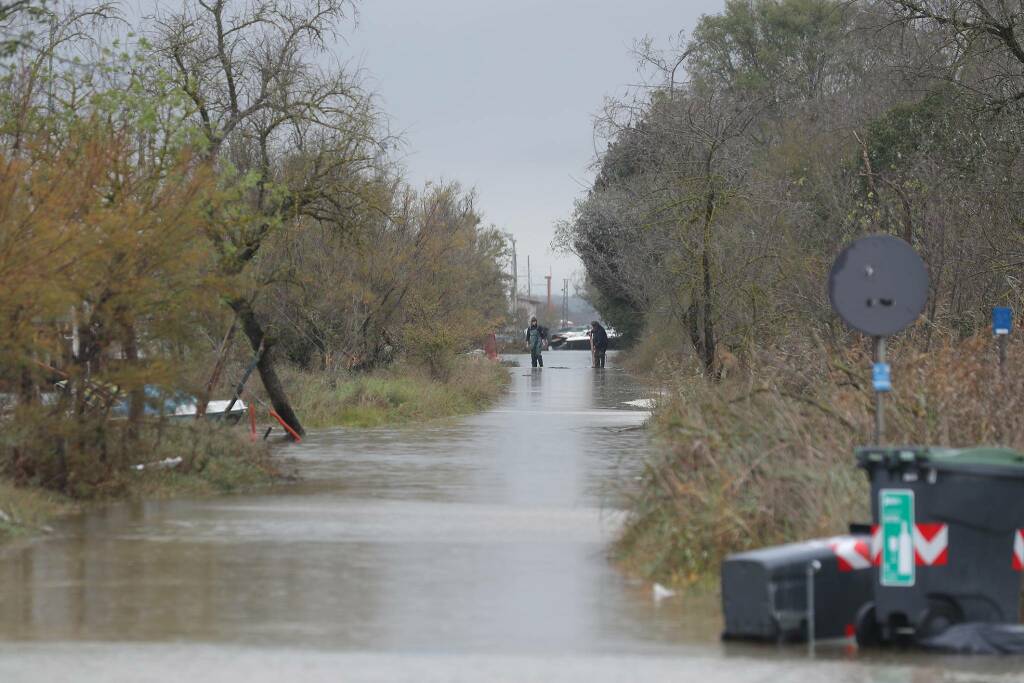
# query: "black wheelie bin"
947, 540
764, 591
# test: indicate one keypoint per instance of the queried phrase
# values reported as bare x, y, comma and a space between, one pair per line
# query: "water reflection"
480, 533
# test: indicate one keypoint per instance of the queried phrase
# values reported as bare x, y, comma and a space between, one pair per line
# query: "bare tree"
14, 33
296, 129
985, 42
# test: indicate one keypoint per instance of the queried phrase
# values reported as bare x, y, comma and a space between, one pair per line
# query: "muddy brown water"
472, 549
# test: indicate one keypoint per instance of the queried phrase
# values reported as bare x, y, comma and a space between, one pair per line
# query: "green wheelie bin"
947, 540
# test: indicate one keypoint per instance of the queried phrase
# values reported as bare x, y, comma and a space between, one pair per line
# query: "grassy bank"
766, 455
214, 459
28, 510
399, 395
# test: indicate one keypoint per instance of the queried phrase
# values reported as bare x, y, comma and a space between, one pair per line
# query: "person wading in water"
598, 343
536, 336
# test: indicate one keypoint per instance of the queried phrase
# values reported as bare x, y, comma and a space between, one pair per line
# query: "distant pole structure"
515, 278
550, 308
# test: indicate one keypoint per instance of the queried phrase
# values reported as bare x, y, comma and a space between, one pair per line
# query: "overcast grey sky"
500, 95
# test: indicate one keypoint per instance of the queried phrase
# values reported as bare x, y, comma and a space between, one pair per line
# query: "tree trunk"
693, 319
271, 382
709, 323
137, 395
705, 265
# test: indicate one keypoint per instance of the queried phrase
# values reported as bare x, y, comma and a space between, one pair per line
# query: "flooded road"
473, 549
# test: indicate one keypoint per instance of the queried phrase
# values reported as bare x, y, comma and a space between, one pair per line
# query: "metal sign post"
881, 380
1002, 323
879, 286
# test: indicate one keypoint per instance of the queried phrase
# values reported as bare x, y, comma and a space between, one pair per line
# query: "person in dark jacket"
536, 338
598, 343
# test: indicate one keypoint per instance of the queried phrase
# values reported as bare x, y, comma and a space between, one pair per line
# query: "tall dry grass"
213, 457
766, 455
28, 510
401, 394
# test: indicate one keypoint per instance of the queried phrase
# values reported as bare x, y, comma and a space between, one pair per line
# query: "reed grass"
765, 456
26, 510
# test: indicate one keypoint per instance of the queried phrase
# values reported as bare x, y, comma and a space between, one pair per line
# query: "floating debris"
645, 403
660, 593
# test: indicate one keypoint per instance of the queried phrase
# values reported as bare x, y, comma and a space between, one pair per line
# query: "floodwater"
467, 550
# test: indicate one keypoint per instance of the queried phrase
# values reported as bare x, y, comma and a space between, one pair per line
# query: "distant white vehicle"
575, 334
578, 338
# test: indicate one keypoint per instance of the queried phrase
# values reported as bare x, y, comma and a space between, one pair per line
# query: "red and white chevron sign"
931, 544
1018, 550
851, 553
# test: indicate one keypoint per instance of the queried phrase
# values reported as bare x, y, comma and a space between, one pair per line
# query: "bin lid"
978, 458
984, 455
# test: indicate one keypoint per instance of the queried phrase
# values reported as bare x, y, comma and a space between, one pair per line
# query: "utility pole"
515, 279
548, 278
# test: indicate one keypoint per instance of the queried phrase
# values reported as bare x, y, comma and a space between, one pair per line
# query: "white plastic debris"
213, 408
645, 403
661, 593
165, 464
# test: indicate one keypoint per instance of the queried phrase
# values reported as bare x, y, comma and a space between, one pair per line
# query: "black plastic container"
764, 592
966, 510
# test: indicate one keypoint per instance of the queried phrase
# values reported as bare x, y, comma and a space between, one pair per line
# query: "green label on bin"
896, 517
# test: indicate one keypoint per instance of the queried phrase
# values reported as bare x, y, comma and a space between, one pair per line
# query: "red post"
287, 427
491, 346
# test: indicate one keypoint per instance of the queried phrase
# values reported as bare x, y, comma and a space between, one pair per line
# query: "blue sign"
880, 377
1002, 320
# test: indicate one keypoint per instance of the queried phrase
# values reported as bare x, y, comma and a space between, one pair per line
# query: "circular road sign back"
878, 285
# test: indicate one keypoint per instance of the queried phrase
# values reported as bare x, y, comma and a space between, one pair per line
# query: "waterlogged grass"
400, 395
28, 510
214, 459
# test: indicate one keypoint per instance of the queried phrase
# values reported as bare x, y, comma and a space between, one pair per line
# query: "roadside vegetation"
194, 459
398, 395
209, 195
766, 456
771, 136
28, 510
